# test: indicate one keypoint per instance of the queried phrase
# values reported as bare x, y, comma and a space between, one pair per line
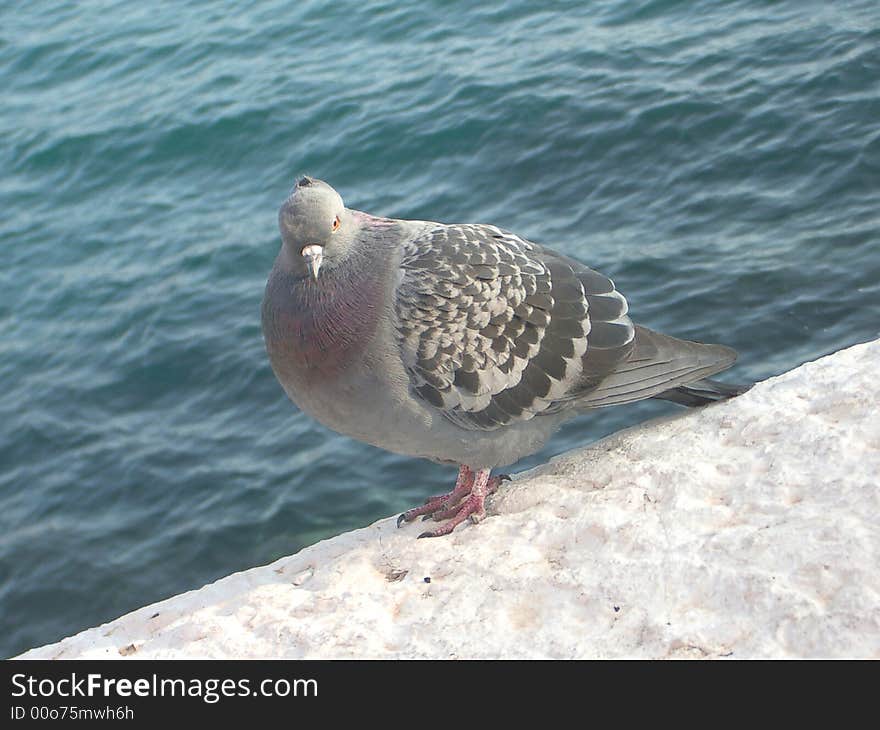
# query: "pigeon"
464, 344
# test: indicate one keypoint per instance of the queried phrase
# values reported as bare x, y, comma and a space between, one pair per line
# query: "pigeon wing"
494, 329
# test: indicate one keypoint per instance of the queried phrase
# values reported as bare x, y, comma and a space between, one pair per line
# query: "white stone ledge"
747, 529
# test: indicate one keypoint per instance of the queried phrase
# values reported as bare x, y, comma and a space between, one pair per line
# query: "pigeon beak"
314, 255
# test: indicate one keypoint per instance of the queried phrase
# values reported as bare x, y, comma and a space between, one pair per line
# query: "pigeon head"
316, 228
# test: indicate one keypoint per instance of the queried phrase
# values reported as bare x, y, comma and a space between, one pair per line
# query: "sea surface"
720, 160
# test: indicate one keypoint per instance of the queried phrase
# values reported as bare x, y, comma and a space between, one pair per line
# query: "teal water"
721, 160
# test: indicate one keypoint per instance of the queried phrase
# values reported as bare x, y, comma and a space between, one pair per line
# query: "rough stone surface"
747, 529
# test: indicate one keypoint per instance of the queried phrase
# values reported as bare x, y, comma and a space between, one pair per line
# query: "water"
720, 160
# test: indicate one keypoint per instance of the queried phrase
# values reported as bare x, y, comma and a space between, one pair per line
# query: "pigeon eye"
335, 224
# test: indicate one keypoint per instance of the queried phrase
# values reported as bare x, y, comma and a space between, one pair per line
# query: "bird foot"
466, 501
463, 486
472, 507
452, 510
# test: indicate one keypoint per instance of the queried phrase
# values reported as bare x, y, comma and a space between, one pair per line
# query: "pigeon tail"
703, 392
658, 365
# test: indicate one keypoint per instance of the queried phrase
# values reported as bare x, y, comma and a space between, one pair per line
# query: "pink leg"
467, 500
491, 487
472, 506
443, 501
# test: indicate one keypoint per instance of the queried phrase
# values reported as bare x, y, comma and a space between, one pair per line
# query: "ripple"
719, 160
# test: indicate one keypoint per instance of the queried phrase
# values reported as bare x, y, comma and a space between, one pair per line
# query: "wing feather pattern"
495, 329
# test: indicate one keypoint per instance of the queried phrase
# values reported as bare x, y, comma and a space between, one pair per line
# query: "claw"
464, 502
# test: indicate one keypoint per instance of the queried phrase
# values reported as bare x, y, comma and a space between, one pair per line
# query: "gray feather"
657, 364
542, 328
458, 343
539, 333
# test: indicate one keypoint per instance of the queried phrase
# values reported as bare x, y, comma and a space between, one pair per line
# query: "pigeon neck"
318, 328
